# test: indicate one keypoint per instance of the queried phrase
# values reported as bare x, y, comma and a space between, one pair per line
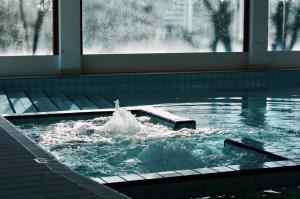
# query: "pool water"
269, 120
105, 146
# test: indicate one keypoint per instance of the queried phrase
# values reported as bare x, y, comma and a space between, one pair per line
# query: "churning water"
125, 144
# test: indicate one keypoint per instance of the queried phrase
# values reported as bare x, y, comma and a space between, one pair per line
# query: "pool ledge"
207, 181
158, 115
214, 181
272, 152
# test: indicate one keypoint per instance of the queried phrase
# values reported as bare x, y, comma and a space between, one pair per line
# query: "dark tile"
212, 187
157, 191
230, 184
194, 189
74, 177
271, 180
136, 191
246, 184
176, 190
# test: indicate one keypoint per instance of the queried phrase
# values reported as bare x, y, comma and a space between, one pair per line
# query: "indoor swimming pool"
99, 146
148, 99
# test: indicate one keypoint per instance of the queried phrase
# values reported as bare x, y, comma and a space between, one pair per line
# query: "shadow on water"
254, 110
247, 159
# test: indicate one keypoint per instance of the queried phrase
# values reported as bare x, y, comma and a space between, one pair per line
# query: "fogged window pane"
162, 26
26, 27
284, 22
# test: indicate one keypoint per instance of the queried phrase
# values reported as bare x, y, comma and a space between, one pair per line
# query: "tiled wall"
147, 83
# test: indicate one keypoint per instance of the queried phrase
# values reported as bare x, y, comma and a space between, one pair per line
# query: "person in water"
221, 19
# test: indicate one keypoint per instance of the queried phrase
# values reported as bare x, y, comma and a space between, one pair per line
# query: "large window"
284, 25
162, 26
26, 27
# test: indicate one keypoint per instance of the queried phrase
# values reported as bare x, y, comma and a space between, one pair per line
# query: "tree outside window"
26, 27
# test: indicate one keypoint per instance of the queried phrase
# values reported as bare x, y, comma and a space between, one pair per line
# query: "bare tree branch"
24, 22
208, 5
42, 11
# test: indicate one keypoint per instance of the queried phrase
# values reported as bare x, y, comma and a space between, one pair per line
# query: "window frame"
246, 25
55, 14
55, 32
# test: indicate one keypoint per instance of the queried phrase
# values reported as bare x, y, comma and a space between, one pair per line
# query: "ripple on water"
111, 145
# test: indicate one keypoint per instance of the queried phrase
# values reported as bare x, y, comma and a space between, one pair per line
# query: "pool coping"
174, 121
286, 161
236, 179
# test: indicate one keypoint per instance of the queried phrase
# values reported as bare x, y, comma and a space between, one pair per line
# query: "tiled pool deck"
29, 172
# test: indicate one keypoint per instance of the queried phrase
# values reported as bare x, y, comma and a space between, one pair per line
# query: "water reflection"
254, 110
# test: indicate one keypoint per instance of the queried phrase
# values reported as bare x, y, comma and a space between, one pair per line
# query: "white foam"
122, 121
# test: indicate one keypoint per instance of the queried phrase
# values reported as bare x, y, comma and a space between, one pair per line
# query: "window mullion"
258, 32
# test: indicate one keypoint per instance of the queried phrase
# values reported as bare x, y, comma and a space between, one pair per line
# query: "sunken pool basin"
98, 146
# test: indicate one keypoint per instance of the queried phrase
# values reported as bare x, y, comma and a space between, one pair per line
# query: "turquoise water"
105, 146
270, 120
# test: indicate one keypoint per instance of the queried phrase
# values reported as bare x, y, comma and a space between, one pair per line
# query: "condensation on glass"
284, 25
26, 27
162, 26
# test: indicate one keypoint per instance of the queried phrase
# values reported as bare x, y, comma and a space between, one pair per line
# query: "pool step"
82, 102
42, 102
5, 107
175, 121
100, 101
62, 102
270, 151
20, 102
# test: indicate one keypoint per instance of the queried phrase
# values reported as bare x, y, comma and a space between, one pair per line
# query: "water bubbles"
122, 121
70, 133
167, 155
